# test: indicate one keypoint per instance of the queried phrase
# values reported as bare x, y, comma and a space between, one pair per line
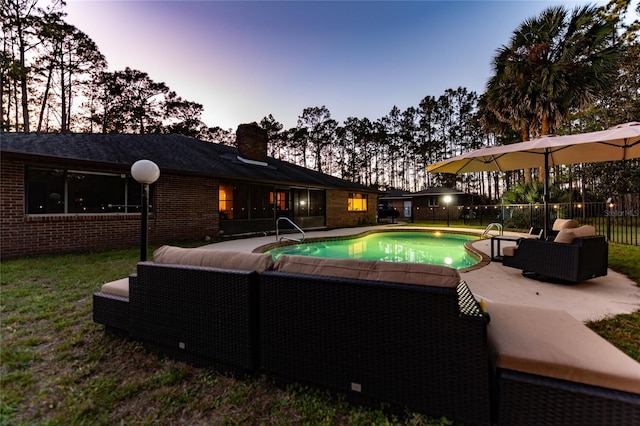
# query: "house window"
61, 191
225, 201
254, 201
245, 201
233, 201
316, 203
45, 191
357, 202
301, 206
280, 199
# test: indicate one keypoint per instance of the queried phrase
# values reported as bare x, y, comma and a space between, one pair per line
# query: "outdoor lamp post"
447, 200
608, 213
145, 172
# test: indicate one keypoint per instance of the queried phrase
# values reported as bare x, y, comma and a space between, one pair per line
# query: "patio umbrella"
621, 142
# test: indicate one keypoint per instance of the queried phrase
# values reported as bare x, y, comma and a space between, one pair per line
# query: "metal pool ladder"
278, 238
492, 225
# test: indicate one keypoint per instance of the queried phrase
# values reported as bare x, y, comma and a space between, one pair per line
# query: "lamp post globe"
145, 172
447, 200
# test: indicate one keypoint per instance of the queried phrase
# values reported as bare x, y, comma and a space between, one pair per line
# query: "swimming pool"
436, 248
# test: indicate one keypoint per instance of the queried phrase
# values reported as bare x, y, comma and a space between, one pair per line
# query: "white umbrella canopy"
491, 159
618, 143
621, 142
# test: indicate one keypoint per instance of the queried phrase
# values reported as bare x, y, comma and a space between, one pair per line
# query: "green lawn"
623, 330
58, 367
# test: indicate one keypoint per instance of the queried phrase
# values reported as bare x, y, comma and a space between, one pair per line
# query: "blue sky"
244, 60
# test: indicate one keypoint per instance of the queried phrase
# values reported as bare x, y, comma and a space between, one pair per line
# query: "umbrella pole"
546, 192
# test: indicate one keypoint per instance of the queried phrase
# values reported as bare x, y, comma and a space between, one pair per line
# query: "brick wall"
185, 209
339, 217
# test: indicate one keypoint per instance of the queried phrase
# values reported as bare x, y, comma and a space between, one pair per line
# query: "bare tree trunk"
3, 81
69, 103
16, 103
25, 97
43, 108
23, 77
63, 98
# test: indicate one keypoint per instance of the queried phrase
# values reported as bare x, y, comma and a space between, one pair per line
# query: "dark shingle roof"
175, 153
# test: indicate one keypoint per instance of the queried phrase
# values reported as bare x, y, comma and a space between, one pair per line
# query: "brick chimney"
252, 142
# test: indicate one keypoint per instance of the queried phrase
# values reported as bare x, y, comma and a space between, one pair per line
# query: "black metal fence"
619, 220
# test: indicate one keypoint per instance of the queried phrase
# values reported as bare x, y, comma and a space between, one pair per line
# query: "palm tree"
555, 62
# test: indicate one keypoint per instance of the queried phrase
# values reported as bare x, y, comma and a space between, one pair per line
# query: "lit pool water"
435, 248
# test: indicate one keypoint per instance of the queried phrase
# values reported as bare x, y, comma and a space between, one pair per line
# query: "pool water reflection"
435, 248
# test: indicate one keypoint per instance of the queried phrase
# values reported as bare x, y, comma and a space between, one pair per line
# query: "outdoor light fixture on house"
145, 172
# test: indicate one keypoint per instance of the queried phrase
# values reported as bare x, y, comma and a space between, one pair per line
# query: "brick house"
72, 192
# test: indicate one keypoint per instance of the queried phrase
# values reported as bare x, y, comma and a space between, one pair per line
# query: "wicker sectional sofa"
407, 334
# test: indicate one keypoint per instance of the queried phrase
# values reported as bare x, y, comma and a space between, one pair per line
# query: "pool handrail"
496, 225
294, 225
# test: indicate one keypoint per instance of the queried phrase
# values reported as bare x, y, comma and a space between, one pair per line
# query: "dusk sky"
245, 60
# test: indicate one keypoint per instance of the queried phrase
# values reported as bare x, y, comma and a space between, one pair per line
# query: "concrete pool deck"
590, 300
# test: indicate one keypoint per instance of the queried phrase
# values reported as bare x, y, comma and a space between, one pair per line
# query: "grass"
623, 330
624, 259
58, 367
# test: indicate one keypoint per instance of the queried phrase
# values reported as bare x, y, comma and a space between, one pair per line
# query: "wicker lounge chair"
573, 259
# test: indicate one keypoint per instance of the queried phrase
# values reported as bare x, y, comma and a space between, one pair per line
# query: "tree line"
561, 71
53, 78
